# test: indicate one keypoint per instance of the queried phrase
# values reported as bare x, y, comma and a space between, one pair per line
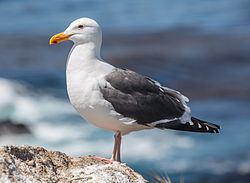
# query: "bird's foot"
102, 159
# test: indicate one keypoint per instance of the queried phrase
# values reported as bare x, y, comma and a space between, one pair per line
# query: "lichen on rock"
36, 164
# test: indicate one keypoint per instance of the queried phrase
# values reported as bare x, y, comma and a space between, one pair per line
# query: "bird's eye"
80, 26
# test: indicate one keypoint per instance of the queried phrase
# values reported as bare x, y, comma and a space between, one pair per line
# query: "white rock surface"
35, 164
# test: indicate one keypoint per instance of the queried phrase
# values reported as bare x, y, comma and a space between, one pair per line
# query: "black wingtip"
210, 127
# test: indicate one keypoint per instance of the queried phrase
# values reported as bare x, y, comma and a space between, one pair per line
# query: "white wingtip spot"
199, 125
207, 128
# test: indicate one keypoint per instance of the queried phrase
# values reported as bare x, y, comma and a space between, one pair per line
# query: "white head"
80, 31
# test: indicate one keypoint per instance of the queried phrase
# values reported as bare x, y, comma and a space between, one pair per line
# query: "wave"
19, 103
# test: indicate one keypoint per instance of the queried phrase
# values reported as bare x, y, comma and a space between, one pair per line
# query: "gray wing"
141, 98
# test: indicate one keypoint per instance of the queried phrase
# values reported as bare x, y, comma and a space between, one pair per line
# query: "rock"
36, 164
7, 127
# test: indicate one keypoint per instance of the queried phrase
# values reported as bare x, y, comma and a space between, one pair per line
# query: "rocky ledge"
36, 164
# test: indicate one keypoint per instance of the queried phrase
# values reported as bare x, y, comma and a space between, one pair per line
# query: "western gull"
120, 100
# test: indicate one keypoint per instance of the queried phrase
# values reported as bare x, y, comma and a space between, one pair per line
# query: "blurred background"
201, 48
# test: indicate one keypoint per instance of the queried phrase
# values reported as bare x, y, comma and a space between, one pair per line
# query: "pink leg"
116, 151
117, 145
119, 139
113, 158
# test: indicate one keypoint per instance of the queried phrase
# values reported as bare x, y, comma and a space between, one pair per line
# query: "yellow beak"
59, 38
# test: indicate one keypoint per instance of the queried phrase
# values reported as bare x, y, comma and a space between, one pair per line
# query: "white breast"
84, 77
85, 96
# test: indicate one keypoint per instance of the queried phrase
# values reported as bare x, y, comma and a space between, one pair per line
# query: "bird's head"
80, 31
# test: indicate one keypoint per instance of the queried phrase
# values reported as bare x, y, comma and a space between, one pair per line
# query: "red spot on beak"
54, 42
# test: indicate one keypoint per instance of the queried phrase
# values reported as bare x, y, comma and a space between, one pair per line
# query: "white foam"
154, 144
57, 133
20, 104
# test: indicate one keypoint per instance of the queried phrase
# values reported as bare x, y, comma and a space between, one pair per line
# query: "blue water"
29, 16
38, 98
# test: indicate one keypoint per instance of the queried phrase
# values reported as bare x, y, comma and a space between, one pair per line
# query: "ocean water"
33, 92
38, 17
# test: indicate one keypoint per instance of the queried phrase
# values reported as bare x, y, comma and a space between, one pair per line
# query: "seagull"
120, 100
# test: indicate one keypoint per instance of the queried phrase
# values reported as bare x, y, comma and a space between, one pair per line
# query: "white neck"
86, 58
85, 72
